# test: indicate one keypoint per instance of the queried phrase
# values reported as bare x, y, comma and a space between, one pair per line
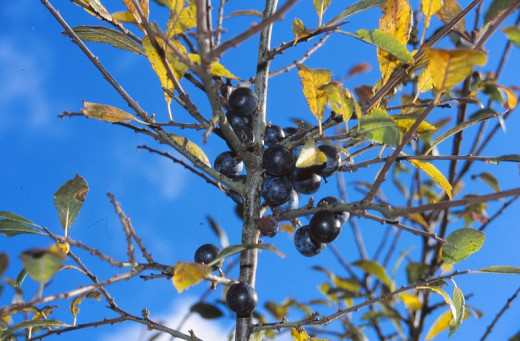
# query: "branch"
255, 28
500, 313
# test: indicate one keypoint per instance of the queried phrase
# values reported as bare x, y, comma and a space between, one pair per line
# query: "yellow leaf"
312, 81
450, 67
512, 100
299, 29
419, 219
216, 69
64, 247
340, 100
310, 155
289, 228
397, 22
429, 8
411, 301
424, 82
158, 66
442, 323
188, 274
124, 16
405, 124
192, 148
143, 4
299, 335
449, 10
181, 18
433, 173
106, 113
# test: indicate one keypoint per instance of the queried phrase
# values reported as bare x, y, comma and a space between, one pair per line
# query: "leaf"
496, 8
219, 231
433, 173
299, 29
32, 324
124, 16
11, 228
250, 12
310, 155
489, 179
20, 278
512, 100
424, 82
188, 274
465, 241
181, 19
429, 8
359, 68
312, 81
69, 199
356, 8
415, 271
340, 100
42, 264
159, 68
405, 124
216, 68
513, 34
411, 301
106, 113
375, 269
74, 304
450, 67
101, 34
99, 9
460, 127
321, 6
442, 323
206, 310
385, 42
15, 217
233, 249
460, 309
449, 10
396, 22
502, 269
192, 148
4, 262
379, 127
143, 4
508, 157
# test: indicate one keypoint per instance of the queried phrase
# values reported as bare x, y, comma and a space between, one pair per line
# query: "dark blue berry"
243, 102
325, 226
242, 299
342, 216
206, 253
291, 204
276, 190
273, 135
305, 181
277, 160
304, 243
333, 160
227, 164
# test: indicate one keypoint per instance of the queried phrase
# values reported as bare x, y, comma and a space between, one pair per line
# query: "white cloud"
203, 329
22, 80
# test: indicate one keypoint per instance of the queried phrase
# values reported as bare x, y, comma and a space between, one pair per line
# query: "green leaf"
502, 269
20, 278
11, 228
321, 6
508, 157
465, 241
356, 8
231, 250
42, 264
206, 310
415, 271
460, 309
385, 42
496, 8
74, 304
69, 199
375, 269
251, 12
489, 179
4, 262
513, 34
15, 217
460, 127
101, 34
219, 231
379, 127
32, 324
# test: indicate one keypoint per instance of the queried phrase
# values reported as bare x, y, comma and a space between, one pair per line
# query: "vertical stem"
251, 215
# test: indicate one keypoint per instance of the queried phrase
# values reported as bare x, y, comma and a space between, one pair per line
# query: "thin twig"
500, 313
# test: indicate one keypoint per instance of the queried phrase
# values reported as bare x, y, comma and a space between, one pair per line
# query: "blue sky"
42, 74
